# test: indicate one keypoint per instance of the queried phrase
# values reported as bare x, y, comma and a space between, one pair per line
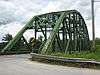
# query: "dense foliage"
22, 44
97, 40
7, 37
35, 44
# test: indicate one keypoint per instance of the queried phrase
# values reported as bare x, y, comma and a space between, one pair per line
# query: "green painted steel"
53, 34
68, 32
18, 36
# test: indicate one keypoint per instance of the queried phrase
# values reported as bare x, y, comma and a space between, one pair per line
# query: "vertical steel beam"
45, 33
35, 30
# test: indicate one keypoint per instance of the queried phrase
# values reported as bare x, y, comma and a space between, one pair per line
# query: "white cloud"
7, 10
20, 11
11, 28
82, 6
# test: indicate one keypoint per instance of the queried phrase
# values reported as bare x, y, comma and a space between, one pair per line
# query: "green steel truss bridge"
68, 32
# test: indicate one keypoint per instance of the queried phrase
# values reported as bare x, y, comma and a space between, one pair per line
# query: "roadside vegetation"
20, 46
93, 55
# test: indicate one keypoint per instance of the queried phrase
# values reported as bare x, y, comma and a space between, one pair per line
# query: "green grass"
87, 55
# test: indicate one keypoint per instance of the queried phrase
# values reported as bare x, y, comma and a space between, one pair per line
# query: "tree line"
22, 45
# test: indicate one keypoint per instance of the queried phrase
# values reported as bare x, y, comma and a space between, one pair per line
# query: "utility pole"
93, 24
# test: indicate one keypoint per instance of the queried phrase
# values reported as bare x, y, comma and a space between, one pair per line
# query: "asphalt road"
21, 65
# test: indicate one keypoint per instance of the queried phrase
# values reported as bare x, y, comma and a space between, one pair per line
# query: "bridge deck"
21, 65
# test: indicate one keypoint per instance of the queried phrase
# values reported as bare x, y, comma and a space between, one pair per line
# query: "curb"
63, 59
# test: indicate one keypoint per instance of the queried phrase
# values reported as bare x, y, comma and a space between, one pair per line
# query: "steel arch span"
67, 32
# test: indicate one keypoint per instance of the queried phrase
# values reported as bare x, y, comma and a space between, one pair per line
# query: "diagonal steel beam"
53, 34
18, 36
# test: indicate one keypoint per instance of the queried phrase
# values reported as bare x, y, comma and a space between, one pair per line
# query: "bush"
97, 41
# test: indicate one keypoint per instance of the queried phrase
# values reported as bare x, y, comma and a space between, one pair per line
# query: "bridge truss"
67, 32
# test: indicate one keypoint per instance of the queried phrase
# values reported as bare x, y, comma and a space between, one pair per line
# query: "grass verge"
87, 55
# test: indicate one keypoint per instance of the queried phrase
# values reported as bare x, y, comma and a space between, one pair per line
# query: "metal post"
93, 26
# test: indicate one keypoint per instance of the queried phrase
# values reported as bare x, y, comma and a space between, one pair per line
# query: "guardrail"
64, 59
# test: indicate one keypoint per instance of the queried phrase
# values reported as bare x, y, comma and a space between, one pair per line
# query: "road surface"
21, 65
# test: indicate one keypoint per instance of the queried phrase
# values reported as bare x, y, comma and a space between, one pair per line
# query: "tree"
35, 43
40, 38
97, 40
7, 37
5, 40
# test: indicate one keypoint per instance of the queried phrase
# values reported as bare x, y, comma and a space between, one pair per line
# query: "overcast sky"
15, 13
